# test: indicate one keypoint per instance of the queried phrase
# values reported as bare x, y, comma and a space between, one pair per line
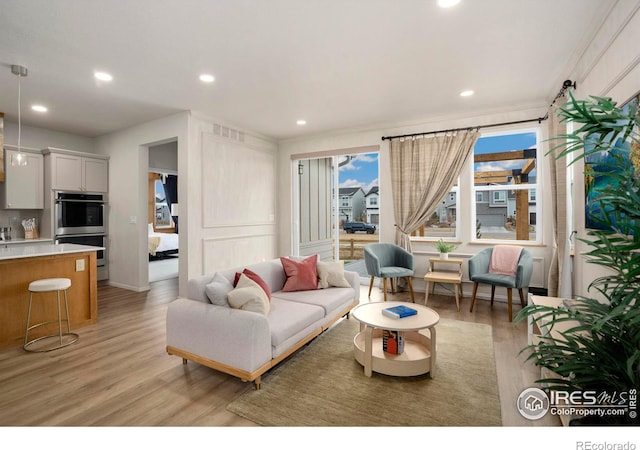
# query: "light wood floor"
118, 373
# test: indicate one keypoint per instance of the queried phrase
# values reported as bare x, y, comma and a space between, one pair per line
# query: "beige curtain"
556, 281
423, 170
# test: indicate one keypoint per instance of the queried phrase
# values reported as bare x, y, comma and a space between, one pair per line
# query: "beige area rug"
323, 385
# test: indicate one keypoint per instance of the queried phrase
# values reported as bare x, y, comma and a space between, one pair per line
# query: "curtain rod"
566, 85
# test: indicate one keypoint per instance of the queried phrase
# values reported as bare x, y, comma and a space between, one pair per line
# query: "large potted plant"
601, 350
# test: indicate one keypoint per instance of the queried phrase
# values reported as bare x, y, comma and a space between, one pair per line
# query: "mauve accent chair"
479, 273
388, 261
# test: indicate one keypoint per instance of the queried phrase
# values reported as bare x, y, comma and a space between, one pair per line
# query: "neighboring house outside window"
443, 223
505, 168
352, 204
505, 188
373, 205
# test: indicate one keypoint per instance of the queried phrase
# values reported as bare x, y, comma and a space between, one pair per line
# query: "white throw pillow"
218, 289
331, 274
249, 296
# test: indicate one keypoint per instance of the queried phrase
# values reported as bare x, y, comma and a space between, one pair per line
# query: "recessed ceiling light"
468, 93
206, 78
447, 3
301, 122
103, 76
39, 108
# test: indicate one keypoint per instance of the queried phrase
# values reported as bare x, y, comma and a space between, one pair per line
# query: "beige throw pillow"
249, 296
331, 274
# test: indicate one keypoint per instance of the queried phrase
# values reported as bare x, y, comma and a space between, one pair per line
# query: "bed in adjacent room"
162, 244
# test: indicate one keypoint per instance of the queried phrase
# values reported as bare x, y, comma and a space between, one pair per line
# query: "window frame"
465, 188
537, 186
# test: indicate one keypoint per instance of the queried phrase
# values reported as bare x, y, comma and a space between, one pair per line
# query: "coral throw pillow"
301, 275
255, 277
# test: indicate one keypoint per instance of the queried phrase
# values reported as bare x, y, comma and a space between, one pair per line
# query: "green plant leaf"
599, 347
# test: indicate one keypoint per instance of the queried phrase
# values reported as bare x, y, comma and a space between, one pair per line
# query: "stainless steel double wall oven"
81, 218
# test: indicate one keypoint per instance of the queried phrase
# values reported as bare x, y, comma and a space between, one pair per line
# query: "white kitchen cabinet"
69, 171
23, 186
96, 175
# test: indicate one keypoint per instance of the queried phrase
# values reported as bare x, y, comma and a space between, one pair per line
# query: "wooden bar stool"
61, 339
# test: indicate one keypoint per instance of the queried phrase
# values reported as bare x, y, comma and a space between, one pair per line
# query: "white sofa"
246, 344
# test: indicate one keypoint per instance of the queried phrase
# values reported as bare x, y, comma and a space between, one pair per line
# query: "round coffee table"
419, 355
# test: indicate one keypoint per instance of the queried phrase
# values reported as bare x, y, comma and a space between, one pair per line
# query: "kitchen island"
22, 264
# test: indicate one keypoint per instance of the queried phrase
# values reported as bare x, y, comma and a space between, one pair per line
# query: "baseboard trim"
130, 288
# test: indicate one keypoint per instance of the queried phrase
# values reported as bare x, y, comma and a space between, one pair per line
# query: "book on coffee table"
398, 312
392, 342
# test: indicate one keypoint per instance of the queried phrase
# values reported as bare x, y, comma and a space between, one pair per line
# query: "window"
162, 214
497, 194
505, 170
444, 220
344, 201
499, 197
373, 201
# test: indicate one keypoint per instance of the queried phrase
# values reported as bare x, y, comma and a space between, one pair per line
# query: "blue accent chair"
479, 273
388, 261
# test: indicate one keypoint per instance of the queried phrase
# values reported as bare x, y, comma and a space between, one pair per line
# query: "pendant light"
19, 159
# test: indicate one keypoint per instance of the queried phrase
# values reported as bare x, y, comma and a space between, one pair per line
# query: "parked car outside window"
352, 227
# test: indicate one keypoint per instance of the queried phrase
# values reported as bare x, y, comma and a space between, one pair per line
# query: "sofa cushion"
255, 277
331, 299
331, 273
287, 319
218, 289
301, 275
249, 296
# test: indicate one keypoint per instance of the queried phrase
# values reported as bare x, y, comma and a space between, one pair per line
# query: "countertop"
23, 241
31, 251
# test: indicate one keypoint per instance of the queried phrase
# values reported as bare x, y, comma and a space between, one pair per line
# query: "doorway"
162, 212
338, 207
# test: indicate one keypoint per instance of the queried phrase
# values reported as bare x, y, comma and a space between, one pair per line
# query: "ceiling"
338, 64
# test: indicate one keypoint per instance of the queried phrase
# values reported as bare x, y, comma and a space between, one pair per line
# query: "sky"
362, 170
494, 144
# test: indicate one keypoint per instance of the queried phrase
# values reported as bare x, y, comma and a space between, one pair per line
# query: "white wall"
232, 197
372, 137
128, 168
164, 156
39, 138
223, 223
610, 67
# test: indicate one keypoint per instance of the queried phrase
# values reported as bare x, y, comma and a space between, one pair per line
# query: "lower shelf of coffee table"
415, 360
